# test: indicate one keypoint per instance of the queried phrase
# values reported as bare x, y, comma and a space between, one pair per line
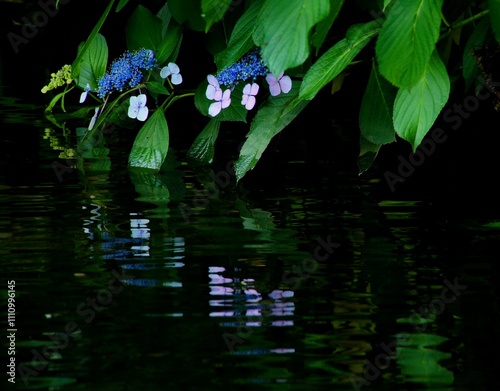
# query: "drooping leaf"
188, 12
203, 148
367, 153
213, 11
93, 64
75, 67
151, 143
271, 118
241, 40
476, 40
283, 28
375, 115
407, 40
322, 28
336, 59
494, 7
121, 4
143, 30
416, 108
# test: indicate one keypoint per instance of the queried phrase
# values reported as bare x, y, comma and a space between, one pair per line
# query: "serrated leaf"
494, 7
241, 40
337, 58
271, 118
94, 63
322, 28
375, 115
408, 39
416, 108
235, 112
213, 11
151, 143
203, 148
283, 28
143, 30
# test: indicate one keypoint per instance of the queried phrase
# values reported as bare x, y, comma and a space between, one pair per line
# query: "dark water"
179, 281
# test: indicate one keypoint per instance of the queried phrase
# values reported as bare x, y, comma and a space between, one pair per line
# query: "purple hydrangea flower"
279, 84
249, 92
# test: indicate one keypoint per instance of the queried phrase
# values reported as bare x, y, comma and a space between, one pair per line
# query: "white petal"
94, 118
218, 94
247, 89
212, 80
165, 72
83, 96
254, 89
142, 99
210, 92
275, 89
133, 101
132, 111
286, 84
173, 67
244, 99
143, 113
215, 109
176, 79
271, 80
251, 103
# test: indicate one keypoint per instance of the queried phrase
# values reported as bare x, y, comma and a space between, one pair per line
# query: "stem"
463, 23
172, 98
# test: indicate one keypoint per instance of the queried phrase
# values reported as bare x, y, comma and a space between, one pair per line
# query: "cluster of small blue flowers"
250, 66
126, 71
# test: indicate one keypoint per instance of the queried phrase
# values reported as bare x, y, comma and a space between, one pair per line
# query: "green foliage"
408, 52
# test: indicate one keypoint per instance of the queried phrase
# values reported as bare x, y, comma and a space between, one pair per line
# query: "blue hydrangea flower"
250, 66
249, 92
126, 71
173, 70
138, 108
279, 84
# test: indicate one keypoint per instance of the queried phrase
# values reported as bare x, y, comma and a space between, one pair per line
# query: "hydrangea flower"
83, 96
223, 100
173, 70
138, 108
126, 71
280, 84
250, 66
249, 93
212, 88
94, 118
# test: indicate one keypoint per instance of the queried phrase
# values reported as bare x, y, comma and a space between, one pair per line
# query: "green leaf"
143, 30
283, 28
75, 67
494, 7
375, 115
416, 108
169, 44
151, 143
324, 26
213, 11
93, 64
407, 40
476, 39
241, 40
189, 12
121, 4
271, 118
337, 58
367, 153
157, 88
235, 112
203, 148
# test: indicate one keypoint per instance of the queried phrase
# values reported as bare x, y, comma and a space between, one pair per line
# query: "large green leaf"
241, 40
271, 118
494, 7
151, 143
416, 108
168, 46
324, 26
375, 115
407, 40
93, 64
283, 30
213, 11
143, 30
75, 67
203, 148
337, 58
